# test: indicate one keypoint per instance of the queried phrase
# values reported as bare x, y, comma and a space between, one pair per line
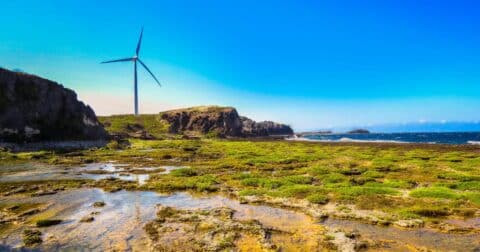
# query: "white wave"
473, 142
343, 139
346, 139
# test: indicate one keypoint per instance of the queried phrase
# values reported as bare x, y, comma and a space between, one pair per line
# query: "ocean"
428, 137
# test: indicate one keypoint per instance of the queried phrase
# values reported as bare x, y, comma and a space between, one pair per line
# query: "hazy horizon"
335, 64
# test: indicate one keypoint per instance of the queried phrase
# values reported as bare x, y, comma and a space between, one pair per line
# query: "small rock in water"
12, 208
31, 237
87, 219
409, 223
30, 212
48, 222
20, 189
99, 204
352, 234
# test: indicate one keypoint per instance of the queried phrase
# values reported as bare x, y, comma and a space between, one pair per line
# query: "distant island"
358, 131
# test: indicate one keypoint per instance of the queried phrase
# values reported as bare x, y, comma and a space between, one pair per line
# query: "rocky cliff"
36, 109
265, 128
221, 121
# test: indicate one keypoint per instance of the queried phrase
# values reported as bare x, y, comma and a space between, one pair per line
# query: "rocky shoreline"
53, 145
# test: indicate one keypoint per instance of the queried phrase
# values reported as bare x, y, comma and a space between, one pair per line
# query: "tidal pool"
119, 224
34, 171
398, 239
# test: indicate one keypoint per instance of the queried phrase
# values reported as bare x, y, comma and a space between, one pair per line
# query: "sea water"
428, 137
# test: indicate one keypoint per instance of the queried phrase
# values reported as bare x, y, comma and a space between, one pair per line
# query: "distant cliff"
36, 109
265, 128
220, 121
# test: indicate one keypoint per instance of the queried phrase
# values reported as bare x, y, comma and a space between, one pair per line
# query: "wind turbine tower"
136, 59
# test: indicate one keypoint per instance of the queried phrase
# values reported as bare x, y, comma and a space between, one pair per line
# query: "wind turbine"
136, 59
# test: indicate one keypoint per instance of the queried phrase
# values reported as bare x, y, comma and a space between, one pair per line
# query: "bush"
252, 192
435, 192
184, 172
470, 186
298, 179
355, 191
262, 182
32, 237
318, 170
430, 212
318, 198
372, 174
297, 191
334, 178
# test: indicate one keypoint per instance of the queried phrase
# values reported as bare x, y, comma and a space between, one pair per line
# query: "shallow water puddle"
397, 239
32, 172
119, 224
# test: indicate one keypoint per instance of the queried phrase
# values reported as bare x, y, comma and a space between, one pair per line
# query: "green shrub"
467, 186
373, 174
430, 212
318, 198
252, 192
334, 178
297, 191
31, 237
298, 179
184, 172
435, 192
318, 170
355, 191
262, 182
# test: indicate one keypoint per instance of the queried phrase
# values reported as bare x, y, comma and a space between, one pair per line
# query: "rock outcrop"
221, 121
251, 128
36, 109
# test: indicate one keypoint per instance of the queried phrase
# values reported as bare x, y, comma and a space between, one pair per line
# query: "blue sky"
312, 64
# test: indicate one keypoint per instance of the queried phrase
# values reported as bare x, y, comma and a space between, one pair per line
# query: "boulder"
36, 109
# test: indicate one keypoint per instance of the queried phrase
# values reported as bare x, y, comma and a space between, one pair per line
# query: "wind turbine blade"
139, 42
118, 60
143, 64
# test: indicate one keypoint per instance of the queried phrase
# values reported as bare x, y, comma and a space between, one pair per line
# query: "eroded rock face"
221, 121
265, 128
36, 109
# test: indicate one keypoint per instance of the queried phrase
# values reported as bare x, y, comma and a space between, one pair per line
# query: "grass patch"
184, 172
318, 198
435, 192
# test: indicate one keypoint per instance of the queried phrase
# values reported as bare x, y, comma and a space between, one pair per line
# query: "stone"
87, 219
99, 204
413, 223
